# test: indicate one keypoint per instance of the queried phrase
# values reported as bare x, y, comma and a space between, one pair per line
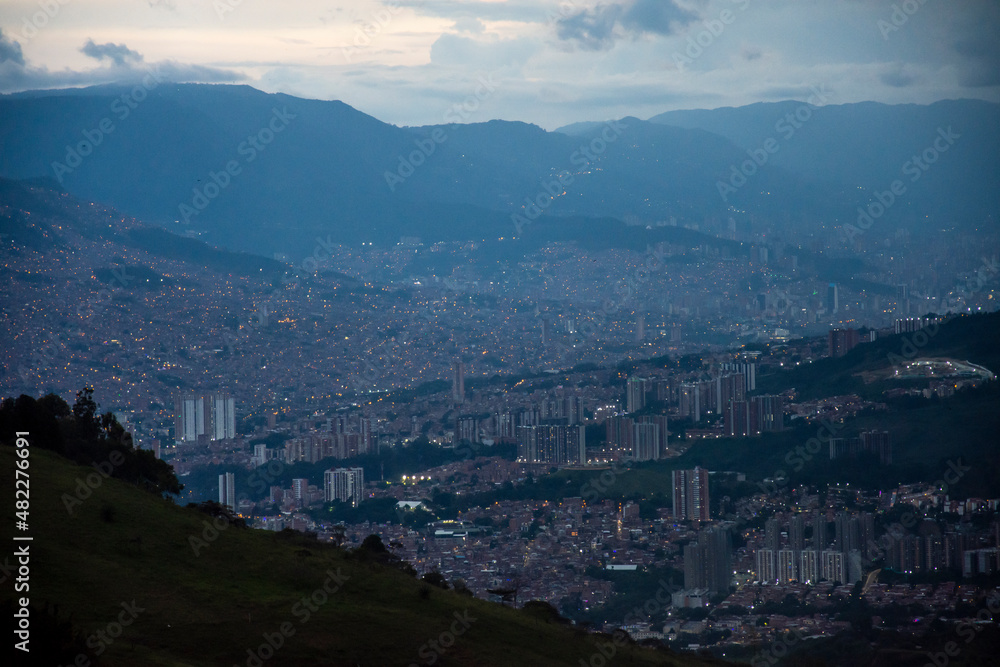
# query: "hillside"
867, 145
967, 338
125, 546
236, 164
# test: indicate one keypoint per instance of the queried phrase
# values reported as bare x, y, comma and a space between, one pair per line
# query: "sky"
547, 62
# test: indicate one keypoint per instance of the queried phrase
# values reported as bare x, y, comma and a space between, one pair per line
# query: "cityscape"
491, 333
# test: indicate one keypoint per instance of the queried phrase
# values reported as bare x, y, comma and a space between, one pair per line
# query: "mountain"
128, 578
272, 173
864, 147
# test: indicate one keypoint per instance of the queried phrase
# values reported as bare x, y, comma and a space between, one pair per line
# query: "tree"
85, 414
435, 578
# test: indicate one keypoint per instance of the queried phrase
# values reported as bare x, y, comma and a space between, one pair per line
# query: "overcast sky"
548, 62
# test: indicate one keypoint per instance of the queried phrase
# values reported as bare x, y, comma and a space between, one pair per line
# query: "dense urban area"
544, 430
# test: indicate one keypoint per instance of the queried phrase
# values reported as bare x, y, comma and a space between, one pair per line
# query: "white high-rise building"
223, 417
344, 484
196, 417
766, 567
189, 419
788, 566
227, 490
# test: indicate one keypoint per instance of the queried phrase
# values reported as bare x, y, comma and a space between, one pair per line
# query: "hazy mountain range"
272, 173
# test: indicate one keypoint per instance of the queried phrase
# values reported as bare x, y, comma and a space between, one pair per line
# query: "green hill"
126, 555
965, 337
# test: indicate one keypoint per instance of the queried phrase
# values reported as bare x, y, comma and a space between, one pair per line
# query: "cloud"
525, 11
981, 68
655, 16
126, 67
598, 28
10, 50
468, 52
119, 54
471, 25
898, 77
591, 29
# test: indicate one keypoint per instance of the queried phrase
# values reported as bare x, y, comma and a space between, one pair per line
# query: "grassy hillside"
123, 544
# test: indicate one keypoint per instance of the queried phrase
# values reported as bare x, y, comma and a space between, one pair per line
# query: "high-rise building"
833, 566
820, 537
199, 417
729, 387
689, 401
691, 500
190, 419
736, 419
708, 562
663, 433
300, 488
227, 490
772, 534
635, 396
745, 363
646, 443
555, 444
344, 484
842, 341
832, 298
467, 430
223, 417
458, 382
809, 566
797, 532
368, 435
788, 566
767, 414
767, 572
878, 443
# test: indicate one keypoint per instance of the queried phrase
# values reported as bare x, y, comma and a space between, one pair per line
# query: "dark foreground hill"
141, 581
